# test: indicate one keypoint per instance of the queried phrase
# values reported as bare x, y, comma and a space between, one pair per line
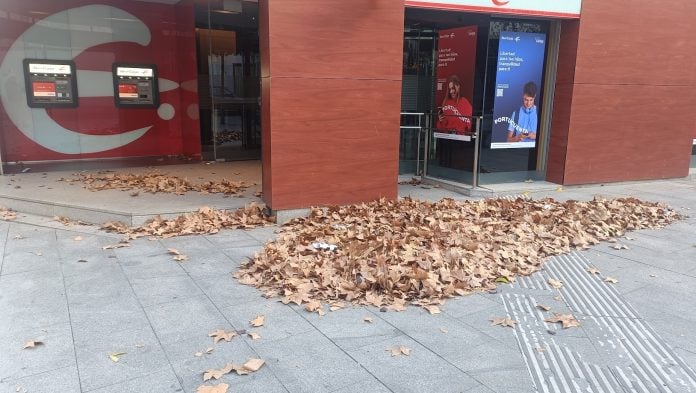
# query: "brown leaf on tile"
567, 320
220, 334
504, 322
32, 344
258, 321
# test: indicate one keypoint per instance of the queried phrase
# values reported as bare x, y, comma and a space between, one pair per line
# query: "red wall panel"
95, 35
632, 98
331, 100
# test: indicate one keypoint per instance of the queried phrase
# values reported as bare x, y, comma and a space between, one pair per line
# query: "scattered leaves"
507, 321
205, 221
254, 335
393, 253
399, 350
611, 280
32, 344
567, 320
220, 334
115, 356
219, 388
258, 321
155, 182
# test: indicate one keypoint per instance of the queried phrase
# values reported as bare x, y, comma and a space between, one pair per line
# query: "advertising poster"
517, 88
456, 59
44, 89
126, 90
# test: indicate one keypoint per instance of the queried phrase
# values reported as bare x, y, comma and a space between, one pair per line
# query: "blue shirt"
527, 120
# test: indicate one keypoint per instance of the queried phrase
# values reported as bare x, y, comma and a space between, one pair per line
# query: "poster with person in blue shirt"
517, 82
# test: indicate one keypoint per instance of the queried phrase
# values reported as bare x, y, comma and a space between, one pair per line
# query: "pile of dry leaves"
205, 220
155, 182
390, 253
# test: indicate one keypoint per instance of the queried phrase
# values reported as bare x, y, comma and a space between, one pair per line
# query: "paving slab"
634, 335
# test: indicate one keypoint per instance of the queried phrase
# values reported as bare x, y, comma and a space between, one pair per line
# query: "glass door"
512, 132
229, 79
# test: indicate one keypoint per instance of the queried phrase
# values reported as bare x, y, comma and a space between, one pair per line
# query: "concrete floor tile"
225, 291
142, 356
151, 291
185, 317
63, 380
281, 321
233, 238
464, 305
348, 329
164, 381
153, 266
56, 351
509, 380
422, 371
190, 368
209, 263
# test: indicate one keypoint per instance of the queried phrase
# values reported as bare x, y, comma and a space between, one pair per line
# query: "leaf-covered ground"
393, 253
205, 221
154, 182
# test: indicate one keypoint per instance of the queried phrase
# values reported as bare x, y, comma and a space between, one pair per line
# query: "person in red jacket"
455, 113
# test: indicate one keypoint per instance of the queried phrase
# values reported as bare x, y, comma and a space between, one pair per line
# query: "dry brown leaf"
258, 321
217, 374
504, 322
557, 298
39, 253
254, 335
173, 251
221, 334
611, 280
593, 270
444, 330
619, 246
180, 258
209, 350
543, 307
78, 238
32, 344
198, 354
367, 319
399, 350
567, 320
555, 283
219, 388
432, 309
253, 364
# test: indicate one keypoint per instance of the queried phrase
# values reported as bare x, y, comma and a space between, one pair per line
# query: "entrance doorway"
475, 70
229, 79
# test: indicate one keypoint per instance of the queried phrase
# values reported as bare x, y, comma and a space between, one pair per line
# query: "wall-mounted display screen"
50, 83
135, 85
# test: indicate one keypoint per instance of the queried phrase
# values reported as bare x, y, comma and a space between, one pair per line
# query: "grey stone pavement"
83, 303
